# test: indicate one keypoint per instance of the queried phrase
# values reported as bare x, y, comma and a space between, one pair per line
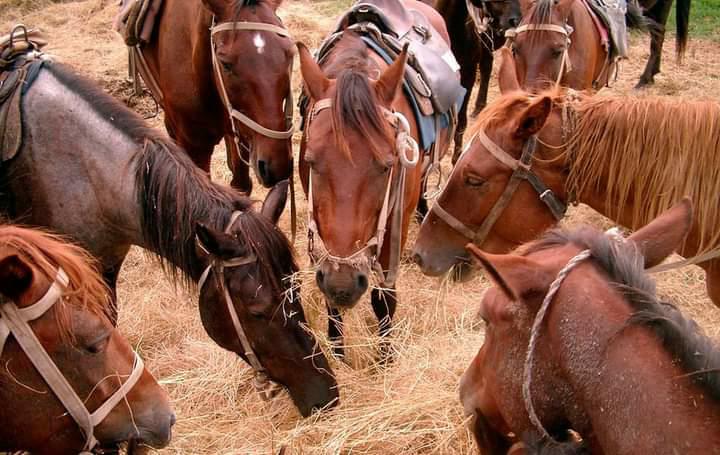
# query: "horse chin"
462, 272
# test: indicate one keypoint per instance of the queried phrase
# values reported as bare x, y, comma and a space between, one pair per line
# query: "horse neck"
624, 383
586, 52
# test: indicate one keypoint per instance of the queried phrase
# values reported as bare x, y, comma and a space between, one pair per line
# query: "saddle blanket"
612, 15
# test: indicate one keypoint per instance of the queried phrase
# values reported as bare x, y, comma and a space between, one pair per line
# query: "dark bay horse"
473, 45
358, 170
91, 168
576, 340
535, 154
248, 74
53, 315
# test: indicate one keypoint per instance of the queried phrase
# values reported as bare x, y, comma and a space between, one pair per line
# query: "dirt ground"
409, 407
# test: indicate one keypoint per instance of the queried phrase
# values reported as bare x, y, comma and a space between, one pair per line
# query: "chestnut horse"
358, 170
576, 339
473, 45
558, 41
62, 357
99, 174
534, 155
223, 68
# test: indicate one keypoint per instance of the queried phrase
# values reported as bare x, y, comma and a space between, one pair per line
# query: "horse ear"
217, 7
217, 243
274, 203
507, 73
15, 276
533, 118
315, 81
388, 85
663, 235
514, 275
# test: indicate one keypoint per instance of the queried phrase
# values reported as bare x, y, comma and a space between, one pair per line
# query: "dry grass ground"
410, 407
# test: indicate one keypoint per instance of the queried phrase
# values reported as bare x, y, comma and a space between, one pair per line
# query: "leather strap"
249, 26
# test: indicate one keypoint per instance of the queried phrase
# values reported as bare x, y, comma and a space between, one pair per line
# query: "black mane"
697, 354
173, 194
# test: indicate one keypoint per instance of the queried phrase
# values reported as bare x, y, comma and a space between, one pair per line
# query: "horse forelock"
46, 252
632, 147
541, 13
355, 105
624, 265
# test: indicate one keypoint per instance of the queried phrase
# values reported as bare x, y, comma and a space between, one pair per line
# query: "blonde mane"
649, 152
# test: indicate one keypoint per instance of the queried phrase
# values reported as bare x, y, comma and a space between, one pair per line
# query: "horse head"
56, 302
252, 56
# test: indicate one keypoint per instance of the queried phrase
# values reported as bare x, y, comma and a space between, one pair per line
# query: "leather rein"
15, 321
522, 171
393, 203
265, 387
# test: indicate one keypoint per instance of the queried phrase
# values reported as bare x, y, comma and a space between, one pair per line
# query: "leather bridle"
265, 387
522, 170
566, 30
393, 203
15, 321
234, 114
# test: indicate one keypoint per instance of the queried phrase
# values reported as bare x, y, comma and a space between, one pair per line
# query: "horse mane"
650, 152
173, 193
86, 290
355, 105
625, 266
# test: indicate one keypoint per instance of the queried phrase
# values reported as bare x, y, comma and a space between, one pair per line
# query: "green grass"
704, 19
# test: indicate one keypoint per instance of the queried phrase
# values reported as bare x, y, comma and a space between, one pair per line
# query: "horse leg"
200, 153
468, 73
110, 276
238, 166
658, 13
335, 333
486, 64
384, 303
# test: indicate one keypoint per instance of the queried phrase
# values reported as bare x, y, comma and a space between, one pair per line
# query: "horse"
61, 356
473, 45
558, 41
580, 355
658, 11
222, 68
97, 173
533, 155
359, 174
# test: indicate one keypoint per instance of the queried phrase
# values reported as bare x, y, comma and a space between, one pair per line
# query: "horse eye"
557, 52
227, 67
98, 346
475, 181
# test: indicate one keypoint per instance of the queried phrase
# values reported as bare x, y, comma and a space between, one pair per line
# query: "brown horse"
358, 169
576, 339
534, 155
248, 74
53, 316
473, 45
98, 173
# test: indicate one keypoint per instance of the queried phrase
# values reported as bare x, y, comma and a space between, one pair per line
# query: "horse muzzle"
342, 284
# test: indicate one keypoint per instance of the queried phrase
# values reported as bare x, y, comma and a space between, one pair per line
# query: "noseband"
15, 322
393, 202
265, 387
233, 113
522, 170
566, 30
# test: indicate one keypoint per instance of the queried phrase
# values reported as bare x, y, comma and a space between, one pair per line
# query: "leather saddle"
387, 25
136, 20
612, 15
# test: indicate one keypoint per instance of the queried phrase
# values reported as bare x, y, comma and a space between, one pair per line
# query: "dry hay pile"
411, 406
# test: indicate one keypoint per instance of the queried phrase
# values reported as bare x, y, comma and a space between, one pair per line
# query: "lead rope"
534, 335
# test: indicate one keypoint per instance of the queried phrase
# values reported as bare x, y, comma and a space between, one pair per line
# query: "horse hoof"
644, 83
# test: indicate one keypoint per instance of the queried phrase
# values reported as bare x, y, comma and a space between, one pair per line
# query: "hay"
409, 407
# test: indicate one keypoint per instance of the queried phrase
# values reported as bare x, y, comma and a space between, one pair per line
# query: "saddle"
609, 17
136, 20
20, 63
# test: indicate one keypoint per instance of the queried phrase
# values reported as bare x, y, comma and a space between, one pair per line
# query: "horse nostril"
319, 277
417, 259
362, 281
173, 419
263, 170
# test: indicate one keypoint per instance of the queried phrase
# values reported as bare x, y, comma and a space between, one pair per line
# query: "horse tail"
682, 20
635, 19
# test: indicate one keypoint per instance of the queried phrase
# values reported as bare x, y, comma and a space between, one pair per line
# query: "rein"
393, 203
522, 170
265, 387
15, 322
566, 30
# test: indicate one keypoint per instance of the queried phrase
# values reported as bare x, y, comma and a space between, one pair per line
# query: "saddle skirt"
611, 15
136, 20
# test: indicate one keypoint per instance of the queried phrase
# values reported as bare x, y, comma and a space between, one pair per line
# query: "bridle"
265, 387
234, 114
15, 322
393, 202
566, 30
522, 170
481, 16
